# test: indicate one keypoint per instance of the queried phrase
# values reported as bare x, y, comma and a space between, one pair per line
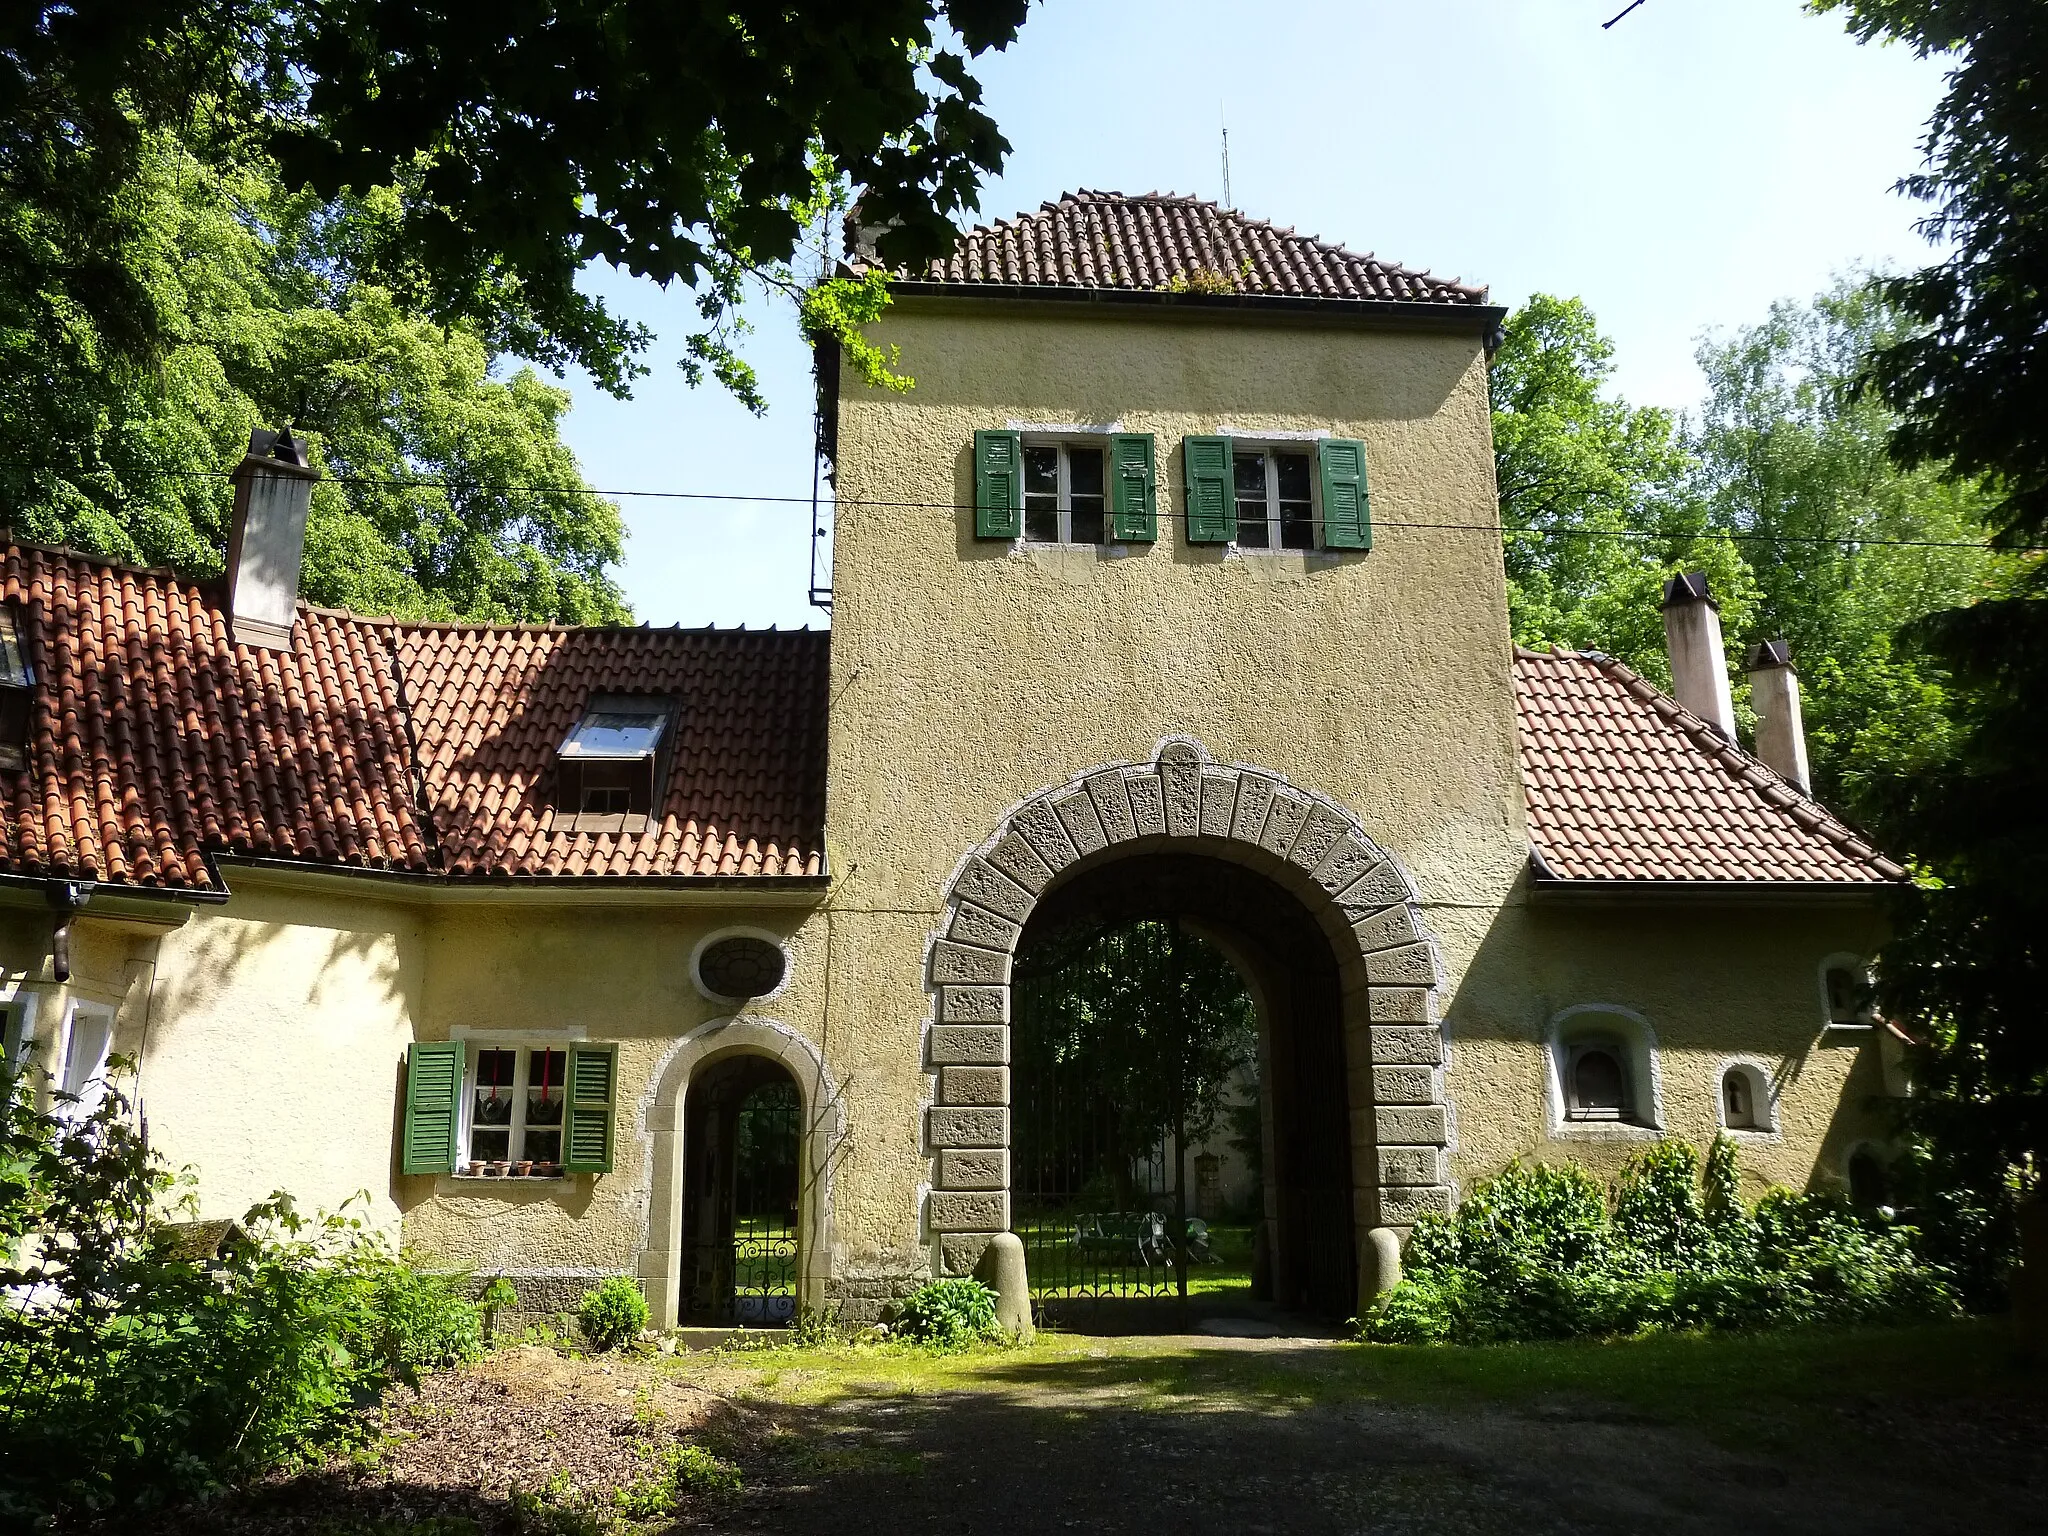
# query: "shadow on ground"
1796, 1434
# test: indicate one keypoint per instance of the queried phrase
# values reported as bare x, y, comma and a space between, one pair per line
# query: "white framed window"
513, 1097
17, 1030
1066, 492
87, 1040
1275, 490
1605, 1083
1745, 1098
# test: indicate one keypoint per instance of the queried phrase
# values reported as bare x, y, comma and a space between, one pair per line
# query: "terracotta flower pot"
472, 1169
547, 1170
522, 1170
494, 1170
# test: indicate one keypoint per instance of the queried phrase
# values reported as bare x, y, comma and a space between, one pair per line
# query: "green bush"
948, 1314
1536, 1254
141, 1369
612, 1316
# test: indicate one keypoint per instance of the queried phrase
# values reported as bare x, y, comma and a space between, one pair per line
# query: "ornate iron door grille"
765, 1140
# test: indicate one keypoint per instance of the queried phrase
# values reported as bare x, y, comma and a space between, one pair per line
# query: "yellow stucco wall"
277, 1030
968, 675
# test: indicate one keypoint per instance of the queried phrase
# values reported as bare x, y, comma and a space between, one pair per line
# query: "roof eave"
1386, 314
435, 888
1552, 890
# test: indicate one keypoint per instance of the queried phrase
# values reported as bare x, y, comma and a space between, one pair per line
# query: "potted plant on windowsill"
494, 1170
547, 1170
522, 1170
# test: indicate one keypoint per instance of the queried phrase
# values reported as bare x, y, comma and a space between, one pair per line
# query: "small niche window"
1065, 494
1745, 1099
17, 691
1596, 1082
1275, 499
741, 966
514, 1098
1851, 1001
607, 770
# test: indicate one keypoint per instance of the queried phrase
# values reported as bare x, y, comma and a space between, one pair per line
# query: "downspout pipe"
67, 899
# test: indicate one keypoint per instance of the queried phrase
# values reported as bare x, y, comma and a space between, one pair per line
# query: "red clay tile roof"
1625, 784
1103, 240
156, 743
746, 781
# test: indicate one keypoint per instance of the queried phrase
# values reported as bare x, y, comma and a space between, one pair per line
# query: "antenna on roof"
1226, 156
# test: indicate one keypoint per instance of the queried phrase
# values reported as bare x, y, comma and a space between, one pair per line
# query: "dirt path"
1076, 1455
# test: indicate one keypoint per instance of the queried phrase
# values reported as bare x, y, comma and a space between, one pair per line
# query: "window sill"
1604, 1130
1848, 1034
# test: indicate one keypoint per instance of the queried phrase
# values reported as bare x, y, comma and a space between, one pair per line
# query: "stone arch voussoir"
1368, 907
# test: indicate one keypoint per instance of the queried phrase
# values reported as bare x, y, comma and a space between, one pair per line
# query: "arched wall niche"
662, 1120
1184, 801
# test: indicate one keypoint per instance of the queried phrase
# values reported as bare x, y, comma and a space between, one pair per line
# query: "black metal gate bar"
766, 1137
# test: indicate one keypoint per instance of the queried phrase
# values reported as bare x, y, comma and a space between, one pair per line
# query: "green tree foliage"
1970, 966
1781, 489
1581, 476
1148, 1016
675, 139
1841, 546
1537, 1253
442, 499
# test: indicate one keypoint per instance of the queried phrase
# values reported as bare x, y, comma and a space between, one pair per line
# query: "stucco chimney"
1780, 727
267, 540
1692, 635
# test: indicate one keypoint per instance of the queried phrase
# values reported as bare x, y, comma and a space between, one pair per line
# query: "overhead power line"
953, 508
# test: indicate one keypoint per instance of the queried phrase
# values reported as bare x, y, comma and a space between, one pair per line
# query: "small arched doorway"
742, 1194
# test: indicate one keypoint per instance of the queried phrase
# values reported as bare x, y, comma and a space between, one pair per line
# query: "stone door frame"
662, 1124
1185, 801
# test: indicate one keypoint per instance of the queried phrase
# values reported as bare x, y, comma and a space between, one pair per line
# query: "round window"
741, 966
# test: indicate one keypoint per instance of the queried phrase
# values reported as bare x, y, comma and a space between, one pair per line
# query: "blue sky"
1679, 171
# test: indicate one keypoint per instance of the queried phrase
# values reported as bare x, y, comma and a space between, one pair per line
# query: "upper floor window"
1065, 494
607, 768
1275, 502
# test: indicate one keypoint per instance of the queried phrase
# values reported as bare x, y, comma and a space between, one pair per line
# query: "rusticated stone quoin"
970, 1045
1399, 1121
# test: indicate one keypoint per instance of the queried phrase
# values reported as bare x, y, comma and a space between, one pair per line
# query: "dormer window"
17, 691
606, 775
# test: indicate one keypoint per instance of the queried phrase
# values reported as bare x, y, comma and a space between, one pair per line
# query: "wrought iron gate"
744, 1128
1098, 1192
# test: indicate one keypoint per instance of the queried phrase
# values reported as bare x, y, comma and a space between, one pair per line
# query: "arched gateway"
1169, 820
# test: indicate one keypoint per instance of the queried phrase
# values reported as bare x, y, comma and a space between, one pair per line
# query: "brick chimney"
1780, 726
1692, 635
267, 540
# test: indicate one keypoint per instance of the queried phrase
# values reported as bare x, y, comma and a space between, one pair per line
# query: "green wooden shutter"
1212, 496
433, 1093
1347, 508
587, 1122
998, 485
1134, 499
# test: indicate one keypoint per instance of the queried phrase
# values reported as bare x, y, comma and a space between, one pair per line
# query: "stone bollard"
1002, 1270
1382, 1269
2030, 1282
